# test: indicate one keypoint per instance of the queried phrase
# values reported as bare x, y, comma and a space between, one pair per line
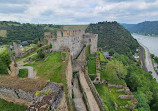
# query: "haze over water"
150, 42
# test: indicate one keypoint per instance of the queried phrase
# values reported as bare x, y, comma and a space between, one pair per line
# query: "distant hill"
146, 28
113, 36
13, 31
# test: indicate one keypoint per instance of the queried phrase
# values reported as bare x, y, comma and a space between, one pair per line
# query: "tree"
36, 40
152, 56
5, 57
156, 59
117, 68
3, 67
40, 54
111, 52
142, 102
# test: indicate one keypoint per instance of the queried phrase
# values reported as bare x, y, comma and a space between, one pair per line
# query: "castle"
74, 40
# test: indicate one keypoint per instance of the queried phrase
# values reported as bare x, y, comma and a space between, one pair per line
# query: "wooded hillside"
147, 27
113, 36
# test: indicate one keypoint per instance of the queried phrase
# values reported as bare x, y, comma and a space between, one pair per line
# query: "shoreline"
156, 36
148, 62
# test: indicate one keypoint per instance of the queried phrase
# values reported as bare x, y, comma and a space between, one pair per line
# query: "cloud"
78, 11
14, 1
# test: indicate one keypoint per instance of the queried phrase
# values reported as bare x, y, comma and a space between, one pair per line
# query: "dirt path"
79, 103
91, 100
148, 63
31, 73
21, 62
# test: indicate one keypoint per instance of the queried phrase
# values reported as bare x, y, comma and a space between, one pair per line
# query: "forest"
145, 28
113, 37
17, 31
141, 83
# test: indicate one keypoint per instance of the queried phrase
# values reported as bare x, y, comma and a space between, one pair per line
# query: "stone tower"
18, 52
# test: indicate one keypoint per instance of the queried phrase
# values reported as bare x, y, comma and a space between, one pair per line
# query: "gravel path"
80, 106
148, 62
31, 73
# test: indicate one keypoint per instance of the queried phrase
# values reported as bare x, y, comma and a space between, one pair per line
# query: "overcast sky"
78, 11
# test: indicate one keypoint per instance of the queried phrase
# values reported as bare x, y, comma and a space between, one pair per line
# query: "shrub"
23, 73
40, 54
45, 92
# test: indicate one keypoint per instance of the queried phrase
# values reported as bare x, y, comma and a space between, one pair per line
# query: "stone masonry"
73, 40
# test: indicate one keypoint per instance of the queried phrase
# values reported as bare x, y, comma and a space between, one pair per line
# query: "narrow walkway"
91, 100
79, 103
148, 62
30, 71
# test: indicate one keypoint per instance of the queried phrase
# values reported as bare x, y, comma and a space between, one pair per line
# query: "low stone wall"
126, 97
116, 85
41, 103
17, 94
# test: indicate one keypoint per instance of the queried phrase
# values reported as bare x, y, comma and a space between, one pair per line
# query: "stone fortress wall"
74, 40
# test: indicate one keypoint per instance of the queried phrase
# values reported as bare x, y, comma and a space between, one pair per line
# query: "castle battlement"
72, 39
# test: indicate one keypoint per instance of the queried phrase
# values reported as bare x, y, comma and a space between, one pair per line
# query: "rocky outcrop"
48, 101
17, 94
48, 98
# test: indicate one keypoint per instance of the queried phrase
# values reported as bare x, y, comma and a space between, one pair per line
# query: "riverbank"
148, 62
142, 58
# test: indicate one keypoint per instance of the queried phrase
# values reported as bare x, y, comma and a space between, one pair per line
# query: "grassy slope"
91, 64
3, 33
82, 27
8, 106
109, 96
50, 69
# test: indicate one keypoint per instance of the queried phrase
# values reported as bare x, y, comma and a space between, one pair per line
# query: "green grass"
23, 73
88, 50
8, 106
3, 33
76, 27
91, 62
111, 78
51, 68
109, 96
101, 56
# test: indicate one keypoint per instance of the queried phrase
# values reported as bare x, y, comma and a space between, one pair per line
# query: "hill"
13, 31
112, 36
145, 28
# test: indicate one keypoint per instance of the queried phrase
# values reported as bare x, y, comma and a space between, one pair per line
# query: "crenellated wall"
73, 40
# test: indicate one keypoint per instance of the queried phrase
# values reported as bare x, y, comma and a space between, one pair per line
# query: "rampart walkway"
91, 100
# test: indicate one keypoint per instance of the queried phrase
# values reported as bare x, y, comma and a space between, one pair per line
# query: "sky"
78, 11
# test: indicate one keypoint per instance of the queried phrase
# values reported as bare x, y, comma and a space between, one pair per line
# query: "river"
150, 45
150, 42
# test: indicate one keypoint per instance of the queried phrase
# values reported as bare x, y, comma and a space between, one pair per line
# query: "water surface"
150, 42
